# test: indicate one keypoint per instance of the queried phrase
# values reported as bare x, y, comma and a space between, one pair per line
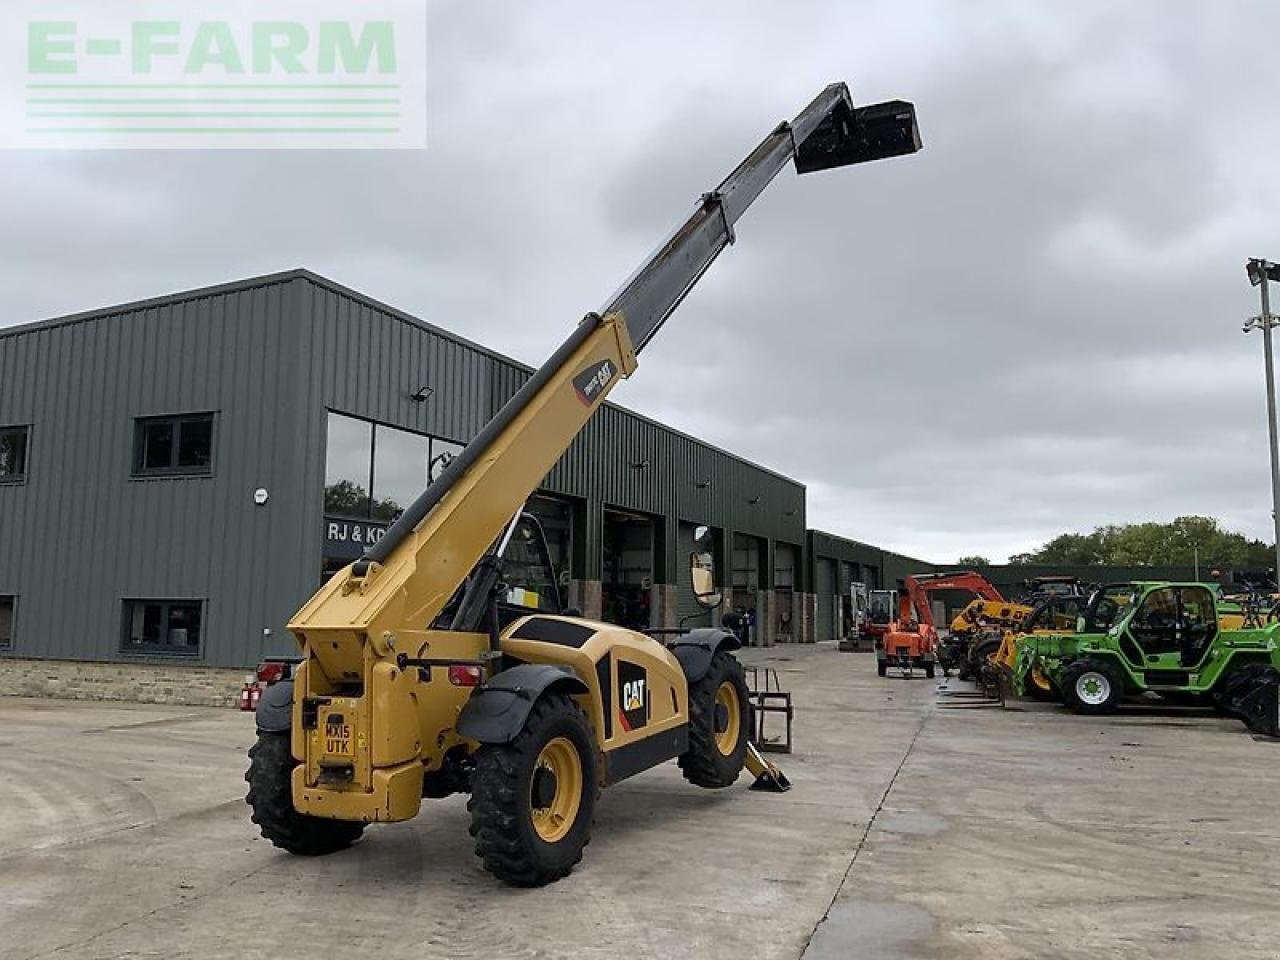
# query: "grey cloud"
1031, 326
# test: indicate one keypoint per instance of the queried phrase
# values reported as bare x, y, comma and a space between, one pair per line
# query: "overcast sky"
1031, 326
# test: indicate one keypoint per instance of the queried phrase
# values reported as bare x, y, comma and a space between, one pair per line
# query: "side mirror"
702, 569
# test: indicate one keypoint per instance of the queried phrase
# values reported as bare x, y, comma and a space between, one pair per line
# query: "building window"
173, 446
8, 614
13, 454
165, 627
372, 471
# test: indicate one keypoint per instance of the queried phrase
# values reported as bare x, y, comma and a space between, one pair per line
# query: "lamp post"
1261, 272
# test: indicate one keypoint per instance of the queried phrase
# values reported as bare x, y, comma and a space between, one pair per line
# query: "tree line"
1176, 543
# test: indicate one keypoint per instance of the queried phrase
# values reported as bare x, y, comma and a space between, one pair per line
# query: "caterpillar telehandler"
442, 661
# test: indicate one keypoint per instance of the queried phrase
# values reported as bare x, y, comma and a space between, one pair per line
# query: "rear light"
273, 671
465, 675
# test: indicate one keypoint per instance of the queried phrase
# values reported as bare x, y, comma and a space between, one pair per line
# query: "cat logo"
633, 695
590, 383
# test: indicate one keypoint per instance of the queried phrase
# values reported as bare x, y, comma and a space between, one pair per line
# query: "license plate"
337, 740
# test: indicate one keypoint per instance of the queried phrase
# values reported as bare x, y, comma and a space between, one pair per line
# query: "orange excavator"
911, 641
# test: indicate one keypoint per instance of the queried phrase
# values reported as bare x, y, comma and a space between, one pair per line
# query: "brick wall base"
185, 684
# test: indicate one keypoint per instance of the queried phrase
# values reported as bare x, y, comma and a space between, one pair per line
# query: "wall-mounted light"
754, 500
640, 464
422, 394
702, 484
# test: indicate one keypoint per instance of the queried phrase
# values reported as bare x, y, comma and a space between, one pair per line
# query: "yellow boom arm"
404, 582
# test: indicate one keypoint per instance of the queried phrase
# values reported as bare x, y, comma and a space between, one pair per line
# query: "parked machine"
916, 627
444, 661
1051, 604
859, 613
882, 609
912, 641
1166, 638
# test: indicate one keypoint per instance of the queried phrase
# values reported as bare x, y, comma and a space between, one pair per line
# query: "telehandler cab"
442, 660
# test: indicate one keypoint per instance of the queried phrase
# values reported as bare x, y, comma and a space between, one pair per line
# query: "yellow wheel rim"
1040, 680
558, 776
727, 739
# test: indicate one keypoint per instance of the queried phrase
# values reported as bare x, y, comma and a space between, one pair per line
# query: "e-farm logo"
185, 73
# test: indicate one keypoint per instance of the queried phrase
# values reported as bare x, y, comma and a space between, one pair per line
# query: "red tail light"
272, 671
465, 675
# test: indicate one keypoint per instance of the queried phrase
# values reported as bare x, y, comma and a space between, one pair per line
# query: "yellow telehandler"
443, 661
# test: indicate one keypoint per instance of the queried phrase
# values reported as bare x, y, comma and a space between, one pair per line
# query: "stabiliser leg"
768, 776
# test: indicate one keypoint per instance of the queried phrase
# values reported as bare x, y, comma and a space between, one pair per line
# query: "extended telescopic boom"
400, 583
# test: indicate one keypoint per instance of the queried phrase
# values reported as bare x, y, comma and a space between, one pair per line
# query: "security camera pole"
1260, 273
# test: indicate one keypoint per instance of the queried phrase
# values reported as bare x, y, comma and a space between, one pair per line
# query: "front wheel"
928, 670
719, 725
1092, 687
533, 799
270, 797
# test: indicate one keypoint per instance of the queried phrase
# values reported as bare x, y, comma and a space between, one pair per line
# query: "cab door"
1172, 630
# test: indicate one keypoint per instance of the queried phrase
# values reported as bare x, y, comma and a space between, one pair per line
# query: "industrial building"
177, 475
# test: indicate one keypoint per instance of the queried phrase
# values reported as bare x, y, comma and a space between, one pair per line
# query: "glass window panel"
13, 453
555, 515
162, 626
152, 614
184, 626
6, 621
443, 453
399, 470
157, 445
347, 463
195, 442
527, 571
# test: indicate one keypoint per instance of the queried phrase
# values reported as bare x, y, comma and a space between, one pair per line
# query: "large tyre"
1092, 687
929, 670
882, 668
719, 725
533, 799
1237, 681
980, 658
270, 798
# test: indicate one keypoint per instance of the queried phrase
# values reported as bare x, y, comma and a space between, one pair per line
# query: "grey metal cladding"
82, 533
269, 356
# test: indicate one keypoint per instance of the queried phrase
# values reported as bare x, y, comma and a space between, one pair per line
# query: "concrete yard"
914, 830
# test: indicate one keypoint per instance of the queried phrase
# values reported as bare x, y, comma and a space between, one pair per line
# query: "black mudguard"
275, 709
695, 649
498, 710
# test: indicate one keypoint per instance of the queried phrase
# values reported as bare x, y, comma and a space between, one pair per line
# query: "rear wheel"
532, 800
882, 668
718, 725
1092, 687
270, 798
929, 670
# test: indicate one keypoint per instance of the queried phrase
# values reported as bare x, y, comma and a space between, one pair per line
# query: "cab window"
1175, 619
1155, 624
527, 572
1198, 618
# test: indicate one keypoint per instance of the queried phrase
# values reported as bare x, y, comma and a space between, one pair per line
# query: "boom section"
403, 582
